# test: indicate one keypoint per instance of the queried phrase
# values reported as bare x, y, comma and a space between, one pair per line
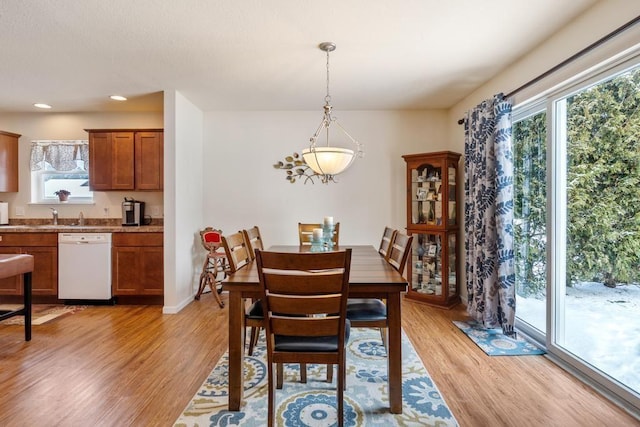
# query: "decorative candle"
328, 220
317, 234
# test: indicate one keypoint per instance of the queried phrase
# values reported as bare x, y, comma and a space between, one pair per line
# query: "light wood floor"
134, 366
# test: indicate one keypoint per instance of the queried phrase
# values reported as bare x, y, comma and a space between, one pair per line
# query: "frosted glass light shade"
328, 160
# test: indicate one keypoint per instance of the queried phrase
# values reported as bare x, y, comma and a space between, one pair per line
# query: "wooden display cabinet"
432, 218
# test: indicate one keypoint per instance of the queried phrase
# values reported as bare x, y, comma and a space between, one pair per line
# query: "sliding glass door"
577, 226
597, 296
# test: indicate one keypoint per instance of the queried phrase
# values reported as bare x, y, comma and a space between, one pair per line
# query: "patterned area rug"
41, 313
494, 342
314, 403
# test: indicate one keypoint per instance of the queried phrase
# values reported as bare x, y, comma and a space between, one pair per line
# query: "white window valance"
62, 155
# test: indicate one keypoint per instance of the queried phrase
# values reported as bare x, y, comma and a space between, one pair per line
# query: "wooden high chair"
214, 263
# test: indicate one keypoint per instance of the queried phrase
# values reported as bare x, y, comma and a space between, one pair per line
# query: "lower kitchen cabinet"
137, 264
44, 248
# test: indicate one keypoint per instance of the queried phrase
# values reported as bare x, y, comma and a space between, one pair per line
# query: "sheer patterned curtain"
61, 155
488, 168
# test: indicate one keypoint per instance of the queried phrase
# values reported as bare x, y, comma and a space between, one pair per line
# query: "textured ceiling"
263, 55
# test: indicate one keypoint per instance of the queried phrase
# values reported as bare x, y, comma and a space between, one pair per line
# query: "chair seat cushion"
366, 309
310, 344
255, 311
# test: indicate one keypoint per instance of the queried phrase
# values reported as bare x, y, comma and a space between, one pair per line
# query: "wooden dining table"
371, 276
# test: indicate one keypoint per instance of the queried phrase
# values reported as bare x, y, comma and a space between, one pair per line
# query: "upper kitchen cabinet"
9, 162
149, 156
126, 159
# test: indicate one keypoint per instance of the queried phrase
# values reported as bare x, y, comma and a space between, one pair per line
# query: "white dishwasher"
84, 266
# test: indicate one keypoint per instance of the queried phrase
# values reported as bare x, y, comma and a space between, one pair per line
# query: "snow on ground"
602, 327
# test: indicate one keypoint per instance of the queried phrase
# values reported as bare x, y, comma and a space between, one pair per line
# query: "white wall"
35, 126
242, 188
183, 168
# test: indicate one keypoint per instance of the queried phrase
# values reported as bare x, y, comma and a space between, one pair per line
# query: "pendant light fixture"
326, 160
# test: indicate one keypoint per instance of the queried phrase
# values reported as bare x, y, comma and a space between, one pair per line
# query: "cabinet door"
11, 285
149, 160
152, 272
45, 269
8, 162
111, 160
137, 270
100, 161
122, 175
44, 279
125, 270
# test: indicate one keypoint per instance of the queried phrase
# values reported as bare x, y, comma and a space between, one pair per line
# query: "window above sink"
60, 165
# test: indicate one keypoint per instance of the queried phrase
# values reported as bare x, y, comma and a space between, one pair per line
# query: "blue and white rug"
494, 342
314, 403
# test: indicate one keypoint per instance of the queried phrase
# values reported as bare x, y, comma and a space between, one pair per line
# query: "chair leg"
303, 373
280, 375
383, 335
213, 284
255, 334
329, 373
340, 392
271, 393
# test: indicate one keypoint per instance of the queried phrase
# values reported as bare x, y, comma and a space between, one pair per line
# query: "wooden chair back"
305, 232
304, 296
236, 250
385, 243
399, 251
253, 239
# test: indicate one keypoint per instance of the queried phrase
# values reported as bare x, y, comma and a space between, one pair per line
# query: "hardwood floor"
134, 366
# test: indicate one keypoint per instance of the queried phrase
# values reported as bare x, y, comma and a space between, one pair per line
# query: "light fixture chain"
328, 97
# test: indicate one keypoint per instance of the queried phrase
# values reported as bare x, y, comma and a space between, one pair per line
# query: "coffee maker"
132, 212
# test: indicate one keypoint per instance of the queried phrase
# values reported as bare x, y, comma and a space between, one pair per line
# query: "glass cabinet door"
426, 257
452, 263
452, 196
426, 186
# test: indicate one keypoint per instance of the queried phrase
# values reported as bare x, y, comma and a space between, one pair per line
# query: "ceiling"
263, 55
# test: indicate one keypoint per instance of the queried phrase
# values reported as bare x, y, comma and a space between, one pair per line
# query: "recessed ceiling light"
46, 106
118, 98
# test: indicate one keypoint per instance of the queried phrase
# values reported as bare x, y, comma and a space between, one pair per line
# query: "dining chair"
253, 239
305, 324
254, 317
385, 242
239, 255
305, 232
399, 251
372, 312
215, 262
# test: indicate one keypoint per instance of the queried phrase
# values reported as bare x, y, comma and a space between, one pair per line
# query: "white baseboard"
174, 309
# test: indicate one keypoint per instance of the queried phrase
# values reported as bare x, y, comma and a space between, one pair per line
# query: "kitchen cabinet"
137, 264
44, 248
126, 159
432, 205
9, 162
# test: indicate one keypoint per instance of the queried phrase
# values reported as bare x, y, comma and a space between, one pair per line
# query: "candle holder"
327, 235
317, 245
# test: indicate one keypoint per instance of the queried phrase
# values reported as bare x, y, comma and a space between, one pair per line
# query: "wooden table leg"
236, 350
394, 356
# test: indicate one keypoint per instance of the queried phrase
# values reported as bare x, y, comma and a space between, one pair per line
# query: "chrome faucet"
54, 212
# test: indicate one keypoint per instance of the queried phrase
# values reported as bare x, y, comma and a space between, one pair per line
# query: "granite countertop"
70, 226
79, 229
